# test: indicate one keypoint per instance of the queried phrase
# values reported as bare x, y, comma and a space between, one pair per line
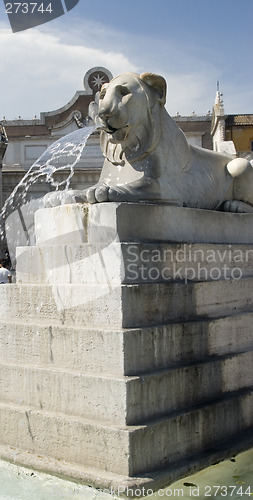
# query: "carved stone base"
137, 222
125, 357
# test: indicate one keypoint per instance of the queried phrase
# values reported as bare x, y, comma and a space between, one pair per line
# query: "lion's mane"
140, 138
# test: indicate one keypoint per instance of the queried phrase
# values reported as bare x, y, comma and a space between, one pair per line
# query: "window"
34, 152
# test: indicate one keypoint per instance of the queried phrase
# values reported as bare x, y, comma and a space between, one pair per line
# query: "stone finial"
95, 78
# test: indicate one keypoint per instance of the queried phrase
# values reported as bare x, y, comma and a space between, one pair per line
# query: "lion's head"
129, 109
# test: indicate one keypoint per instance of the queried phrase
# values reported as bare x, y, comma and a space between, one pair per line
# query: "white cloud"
189, 92
42, 71
188, 69
44, 67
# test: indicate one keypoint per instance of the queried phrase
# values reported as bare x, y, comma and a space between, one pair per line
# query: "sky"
192, 43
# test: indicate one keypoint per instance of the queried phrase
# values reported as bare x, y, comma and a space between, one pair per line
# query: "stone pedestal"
126, 348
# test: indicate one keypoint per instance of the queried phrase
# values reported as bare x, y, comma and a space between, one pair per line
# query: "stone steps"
98, 350
127, 306
186, 433
55, 435
124, 400
116, 373
74, 393
132, 263
171, 439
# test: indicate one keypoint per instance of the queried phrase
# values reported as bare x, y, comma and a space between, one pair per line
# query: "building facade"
231, 133
239, 129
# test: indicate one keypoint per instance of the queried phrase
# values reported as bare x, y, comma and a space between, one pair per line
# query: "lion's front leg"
131, 193
140, 190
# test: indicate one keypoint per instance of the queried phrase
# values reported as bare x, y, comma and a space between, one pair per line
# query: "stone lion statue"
148, 158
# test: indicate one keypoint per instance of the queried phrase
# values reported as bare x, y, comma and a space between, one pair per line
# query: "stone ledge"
102, 479
132, 263
100, 444
123, 352
127, 306
128, 400
162, 223
139, 222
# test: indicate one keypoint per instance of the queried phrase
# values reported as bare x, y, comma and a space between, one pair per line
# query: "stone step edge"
120, 286
170, 302
125, 336
91, 422
129, 377
127, 386
54, 369
115, 483
173, 244
226, 396
129, 439
132, 428
58, 324
225, 263
117, 329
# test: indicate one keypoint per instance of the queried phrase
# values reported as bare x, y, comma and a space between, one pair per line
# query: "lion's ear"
156, 81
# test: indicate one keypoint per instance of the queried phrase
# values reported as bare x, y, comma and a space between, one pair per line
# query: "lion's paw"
236, 206
101, 194
52, 199
97, 194
64, 198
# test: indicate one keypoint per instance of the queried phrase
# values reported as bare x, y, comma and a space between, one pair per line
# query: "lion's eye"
123, 90
102, 94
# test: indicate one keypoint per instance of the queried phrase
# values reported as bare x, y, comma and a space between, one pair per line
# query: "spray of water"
61, 156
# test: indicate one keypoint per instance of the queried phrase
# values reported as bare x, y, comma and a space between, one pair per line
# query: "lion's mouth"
117, 134
110, 130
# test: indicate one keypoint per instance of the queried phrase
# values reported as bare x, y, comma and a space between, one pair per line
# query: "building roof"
239, 120
23, 128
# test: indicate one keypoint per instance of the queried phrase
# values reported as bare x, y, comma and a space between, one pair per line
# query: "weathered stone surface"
151, 373
99, 350
168, 440
127, 306
141, 222
63, 225
155, 223
63, 437
70, 392
188, 433
132, 263
60, 346
125, 400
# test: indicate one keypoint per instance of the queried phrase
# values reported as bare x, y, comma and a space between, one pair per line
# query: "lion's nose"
105, 110
104, 114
